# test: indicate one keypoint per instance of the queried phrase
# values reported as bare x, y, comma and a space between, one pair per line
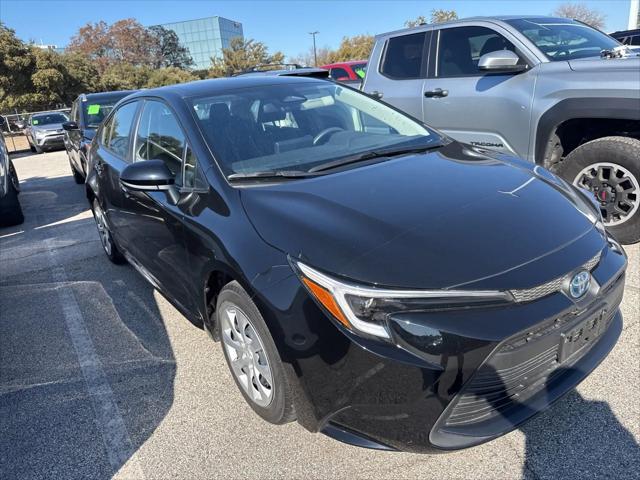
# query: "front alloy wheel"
609, 167
252, 355
616, 189
247, 357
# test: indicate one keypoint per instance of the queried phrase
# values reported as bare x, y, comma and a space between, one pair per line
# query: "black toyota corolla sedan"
366, 275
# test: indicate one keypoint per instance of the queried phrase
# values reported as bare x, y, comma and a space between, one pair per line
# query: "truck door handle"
438, 92
376, 94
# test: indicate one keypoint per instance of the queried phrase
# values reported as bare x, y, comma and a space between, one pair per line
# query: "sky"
282, 25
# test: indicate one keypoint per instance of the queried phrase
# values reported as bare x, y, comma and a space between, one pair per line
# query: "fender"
571, 108
92, 185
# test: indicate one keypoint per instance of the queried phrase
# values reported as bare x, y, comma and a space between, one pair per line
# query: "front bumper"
50, 141
453, 379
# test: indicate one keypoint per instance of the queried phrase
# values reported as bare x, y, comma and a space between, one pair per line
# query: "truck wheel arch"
615, 109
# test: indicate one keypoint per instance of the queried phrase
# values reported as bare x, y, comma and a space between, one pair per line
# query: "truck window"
460, 49
403, 57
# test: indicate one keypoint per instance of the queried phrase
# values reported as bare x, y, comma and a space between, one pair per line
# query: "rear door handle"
437, 92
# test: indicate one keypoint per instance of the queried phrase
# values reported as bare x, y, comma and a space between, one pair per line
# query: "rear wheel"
106, 239
609, 167
252, 356
77, 176
10, 205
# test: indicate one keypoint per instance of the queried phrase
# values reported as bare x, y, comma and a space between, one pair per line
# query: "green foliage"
351, 48
437, 16
124, 76
242, 55
169, 76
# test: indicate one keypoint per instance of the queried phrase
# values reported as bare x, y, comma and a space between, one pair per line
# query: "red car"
347, 71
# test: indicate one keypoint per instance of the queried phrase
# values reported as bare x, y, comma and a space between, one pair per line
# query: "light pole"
315, 57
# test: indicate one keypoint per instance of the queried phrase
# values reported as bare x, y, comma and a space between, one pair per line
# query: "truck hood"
447, 218
613, 66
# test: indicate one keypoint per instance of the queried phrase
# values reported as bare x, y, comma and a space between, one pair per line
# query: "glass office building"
205, 37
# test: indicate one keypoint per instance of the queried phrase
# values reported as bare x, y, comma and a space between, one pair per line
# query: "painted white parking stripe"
113, 429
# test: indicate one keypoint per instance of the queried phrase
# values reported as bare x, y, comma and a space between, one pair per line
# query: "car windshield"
48, 118
299, 126
563, 39
96, 110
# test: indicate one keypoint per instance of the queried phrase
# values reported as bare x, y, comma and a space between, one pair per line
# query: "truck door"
490, 110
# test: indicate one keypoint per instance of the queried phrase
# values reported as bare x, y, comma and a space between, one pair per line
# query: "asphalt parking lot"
101, 377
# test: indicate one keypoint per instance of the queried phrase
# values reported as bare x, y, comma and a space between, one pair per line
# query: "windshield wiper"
385, 153
269, 174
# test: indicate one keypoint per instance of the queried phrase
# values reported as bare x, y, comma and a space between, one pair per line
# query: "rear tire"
106, 239
11, 209
610, 168
252, 356
77, 176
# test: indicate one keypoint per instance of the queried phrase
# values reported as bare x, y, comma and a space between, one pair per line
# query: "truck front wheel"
609, 167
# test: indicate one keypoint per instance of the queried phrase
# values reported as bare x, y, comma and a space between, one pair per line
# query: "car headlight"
365, 310
39, 134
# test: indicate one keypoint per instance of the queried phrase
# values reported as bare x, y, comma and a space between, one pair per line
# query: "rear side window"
339, 73
635, 40
160, 137
403, 57
460, 49
116, 134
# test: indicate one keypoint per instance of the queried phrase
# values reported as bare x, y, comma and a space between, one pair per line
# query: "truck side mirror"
501, 61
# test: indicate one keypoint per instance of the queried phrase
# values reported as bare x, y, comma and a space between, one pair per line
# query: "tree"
124, 41
124, 76
307, 59
168, 51
579, 11
242, 55
440, 16
357, 47
17, 64
437, 16
169, 76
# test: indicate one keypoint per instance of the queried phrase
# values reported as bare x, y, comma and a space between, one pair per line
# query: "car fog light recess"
365, 310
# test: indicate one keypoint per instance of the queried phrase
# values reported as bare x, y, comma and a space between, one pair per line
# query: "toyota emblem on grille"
579, 284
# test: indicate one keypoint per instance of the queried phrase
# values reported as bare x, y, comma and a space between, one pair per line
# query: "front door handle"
437, 92
376, 94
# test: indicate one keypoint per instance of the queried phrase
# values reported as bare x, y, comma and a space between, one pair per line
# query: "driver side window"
460, 50
160, 137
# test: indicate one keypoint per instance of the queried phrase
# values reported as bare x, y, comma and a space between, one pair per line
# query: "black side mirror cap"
148, 175
68, 126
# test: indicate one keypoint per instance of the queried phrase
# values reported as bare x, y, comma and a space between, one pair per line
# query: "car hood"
453, 217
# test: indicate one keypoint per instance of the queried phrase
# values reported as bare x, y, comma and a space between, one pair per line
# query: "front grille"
534, 293
516, 371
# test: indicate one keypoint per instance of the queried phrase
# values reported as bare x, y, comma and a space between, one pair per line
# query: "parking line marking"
113, 429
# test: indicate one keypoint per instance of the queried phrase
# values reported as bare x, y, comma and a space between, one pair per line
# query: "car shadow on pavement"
576, 438
54, 423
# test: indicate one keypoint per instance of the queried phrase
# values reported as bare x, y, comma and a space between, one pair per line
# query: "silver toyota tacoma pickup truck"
550, 90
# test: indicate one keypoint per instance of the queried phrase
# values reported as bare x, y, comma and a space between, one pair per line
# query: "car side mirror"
148, 175
68, 126
501, 61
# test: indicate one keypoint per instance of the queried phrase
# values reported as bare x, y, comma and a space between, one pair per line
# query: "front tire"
252, 356
609, 167
106, 239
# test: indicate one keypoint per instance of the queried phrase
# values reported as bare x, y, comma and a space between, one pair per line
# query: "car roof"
99, 95
347, 62
496, 18
218, 86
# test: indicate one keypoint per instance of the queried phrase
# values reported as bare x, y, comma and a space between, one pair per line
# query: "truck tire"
11, 211
609, 167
